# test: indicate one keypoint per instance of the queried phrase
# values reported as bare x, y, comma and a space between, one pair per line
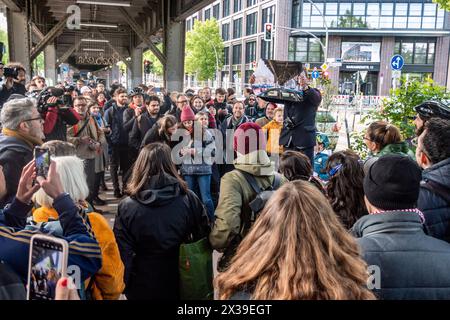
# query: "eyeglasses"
40, 119
365, 138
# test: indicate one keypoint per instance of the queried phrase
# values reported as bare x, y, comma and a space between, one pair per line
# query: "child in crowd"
321, 157
273, 129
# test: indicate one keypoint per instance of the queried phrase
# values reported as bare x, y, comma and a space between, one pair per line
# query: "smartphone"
47, 264
42, 158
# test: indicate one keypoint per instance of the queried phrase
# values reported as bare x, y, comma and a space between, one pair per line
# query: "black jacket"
433, 206
14, 155
302, 134
220, 107
115, 118
149, 229
140, 129
17, 88
153, 136
411, 264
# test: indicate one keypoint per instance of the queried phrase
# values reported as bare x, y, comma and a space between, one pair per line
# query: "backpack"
262, 195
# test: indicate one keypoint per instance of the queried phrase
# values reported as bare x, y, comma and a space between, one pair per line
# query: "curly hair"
303, 252
345, 187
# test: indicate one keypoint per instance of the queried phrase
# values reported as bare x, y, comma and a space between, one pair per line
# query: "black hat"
430, 109
393, 183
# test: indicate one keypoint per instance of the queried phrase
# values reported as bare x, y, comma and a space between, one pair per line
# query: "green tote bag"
196, 274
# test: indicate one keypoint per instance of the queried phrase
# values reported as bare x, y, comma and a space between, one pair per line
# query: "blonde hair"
73, 179
278, 109
200, 114
303, 252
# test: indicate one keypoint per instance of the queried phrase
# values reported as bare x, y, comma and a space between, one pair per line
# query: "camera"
10, 73
44, 95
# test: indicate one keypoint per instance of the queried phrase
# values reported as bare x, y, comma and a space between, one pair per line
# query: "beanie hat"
187, 114
393, 183
249, 137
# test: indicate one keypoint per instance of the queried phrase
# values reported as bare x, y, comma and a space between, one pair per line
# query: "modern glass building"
364, 35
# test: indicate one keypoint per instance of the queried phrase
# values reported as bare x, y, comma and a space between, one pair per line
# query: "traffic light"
268, 28
148, 66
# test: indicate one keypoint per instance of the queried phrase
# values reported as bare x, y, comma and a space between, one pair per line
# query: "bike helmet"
137, 91
432, 109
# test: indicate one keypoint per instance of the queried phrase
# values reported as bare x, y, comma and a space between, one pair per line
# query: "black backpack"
436, 188
262, 195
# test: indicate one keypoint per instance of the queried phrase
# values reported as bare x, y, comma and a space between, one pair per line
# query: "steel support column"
50, 64
174, 46
18, 39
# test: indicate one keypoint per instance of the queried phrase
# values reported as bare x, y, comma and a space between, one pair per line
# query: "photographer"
299, 130
13, 75
57, 115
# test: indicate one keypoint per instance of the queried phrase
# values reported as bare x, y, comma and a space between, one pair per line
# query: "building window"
248, 74
266, 49
268, 16
251, 3
207, 14
216, 11
305, 49
226, 31
193, 21
296, 14
415, 16
361, 51
237, 6
250, 27
416, 52
225, 8
237, 28
188, 25
237, 54
250, 52
226, 56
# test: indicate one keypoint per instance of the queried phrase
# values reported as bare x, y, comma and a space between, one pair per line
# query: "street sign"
363, 75
307, 66
396, 74
315, 74
324, 67
397, 62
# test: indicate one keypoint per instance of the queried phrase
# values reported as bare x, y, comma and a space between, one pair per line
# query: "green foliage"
203, 45
350, 21
443, 4
157, 65
39, 64
398, 109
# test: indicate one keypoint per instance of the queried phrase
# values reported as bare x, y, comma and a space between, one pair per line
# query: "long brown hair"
345, 188
165, 123
154, 160
294, 165
302, 252
383, 133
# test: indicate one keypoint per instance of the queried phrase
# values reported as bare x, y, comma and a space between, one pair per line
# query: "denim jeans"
201, 185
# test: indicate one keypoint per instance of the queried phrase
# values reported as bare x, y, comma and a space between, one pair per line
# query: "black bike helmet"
136, 91
432, 109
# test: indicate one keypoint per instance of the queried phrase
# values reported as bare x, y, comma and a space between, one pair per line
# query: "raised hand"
26, 189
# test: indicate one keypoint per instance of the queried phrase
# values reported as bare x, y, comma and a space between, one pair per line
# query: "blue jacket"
433, 206
114, 117
320, 163
411, 264
84, 250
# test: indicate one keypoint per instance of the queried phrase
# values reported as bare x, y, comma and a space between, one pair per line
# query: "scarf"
31, 141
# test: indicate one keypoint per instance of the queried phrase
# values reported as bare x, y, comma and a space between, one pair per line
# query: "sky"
2, 21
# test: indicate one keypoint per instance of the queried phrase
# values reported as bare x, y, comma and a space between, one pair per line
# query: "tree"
204, 50
157, 65
443, 4
350, 21
398, 109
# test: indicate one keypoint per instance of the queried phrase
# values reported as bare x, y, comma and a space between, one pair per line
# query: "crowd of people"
190, 165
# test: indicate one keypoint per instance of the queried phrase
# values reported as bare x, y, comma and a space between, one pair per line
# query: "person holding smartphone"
84, 251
